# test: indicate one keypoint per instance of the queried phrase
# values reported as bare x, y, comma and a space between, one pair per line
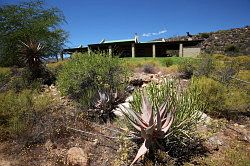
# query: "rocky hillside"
232, 41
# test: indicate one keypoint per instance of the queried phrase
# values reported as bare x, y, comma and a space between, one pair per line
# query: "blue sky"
90, 21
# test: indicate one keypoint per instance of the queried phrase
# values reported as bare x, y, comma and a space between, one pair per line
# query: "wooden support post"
133, 50
181, 50
153, 51
110, 50
89, 50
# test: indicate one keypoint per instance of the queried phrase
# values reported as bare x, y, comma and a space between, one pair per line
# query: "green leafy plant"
85, 74
187, 68
231, 49
205, 67
151, 126
31, 53
168, 62
211, 92
205, 35
21, 112
29, 20
5, 74
220, 98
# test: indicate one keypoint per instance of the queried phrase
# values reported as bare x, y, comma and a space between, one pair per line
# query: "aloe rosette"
150, 125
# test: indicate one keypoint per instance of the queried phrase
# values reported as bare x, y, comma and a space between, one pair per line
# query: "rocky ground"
81, 142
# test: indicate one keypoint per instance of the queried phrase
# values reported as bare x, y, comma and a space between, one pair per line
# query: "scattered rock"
130, 88
205, 118
77, 157
243, 133
129, 99
96, 141
121, 107
49, 145
215, 140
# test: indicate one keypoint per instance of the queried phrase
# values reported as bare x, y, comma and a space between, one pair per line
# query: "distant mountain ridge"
232, 41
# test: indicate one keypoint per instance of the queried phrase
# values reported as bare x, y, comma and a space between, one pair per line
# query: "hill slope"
232, 41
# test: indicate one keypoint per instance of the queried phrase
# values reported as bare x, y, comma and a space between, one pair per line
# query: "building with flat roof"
133, 48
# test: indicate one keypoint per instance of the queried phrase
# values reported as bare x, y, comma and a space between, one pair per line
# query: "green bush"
211, 92
5, 74
236, 99
221, 57
243, 61
231, 49
187, 68
168, 62
20, 81
84, 75
19, 112
220, 98
205, 35
56, 67
225, 71
205, 66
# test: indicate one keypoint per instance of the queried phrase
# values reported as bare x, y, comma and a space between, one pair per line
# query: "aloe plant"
32, 52
151, 125
106, 102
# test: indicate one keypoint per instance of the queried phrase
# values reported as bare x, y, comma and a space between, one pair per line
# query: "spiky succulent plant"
106, 102
32, 54
151, 125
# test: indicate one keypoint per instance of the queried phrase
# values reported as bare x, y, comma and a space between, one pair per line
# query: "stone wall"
191, 52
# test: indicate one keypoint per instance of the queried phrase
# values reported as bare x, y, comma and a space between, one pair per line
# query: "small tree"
29, 22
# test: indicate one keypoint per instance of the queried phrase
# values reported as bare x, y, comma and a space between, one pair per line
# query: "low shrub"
205, 66
242, 80
211, 92
186, 103
168, 62
243, 61
187, 68
149, 68
231, 49
221, 57
21, 81
85, 75
5, 74
205, 35
20, 113
236, 99
221, 98
226, 71
56, 67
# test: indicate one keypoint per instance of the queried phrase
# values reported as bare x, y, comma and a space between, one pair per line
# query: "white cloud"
154, 33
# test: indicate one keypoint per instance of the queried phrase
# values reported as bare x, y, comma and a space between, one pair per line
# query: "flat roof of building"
129, 41
114, 42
